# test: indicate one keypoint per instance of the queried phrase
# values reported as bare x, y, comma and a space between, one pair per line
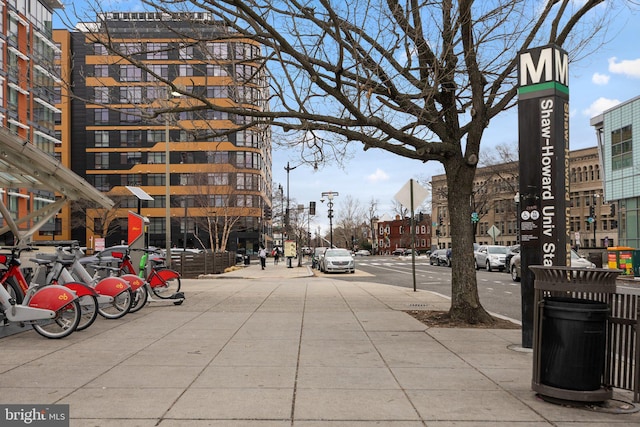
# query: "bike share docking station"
137, 241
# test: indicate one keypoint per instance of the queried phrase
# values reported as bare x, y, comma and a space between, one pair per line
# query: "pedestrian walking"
276, 256
262, 254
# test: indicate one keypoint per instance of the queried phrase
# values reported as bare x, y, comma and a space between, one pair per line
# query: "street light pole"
287, 215
167, 191
330, 195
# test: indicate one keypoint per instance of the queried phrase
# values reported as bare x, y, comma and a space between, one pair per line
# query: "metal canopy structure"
23, 165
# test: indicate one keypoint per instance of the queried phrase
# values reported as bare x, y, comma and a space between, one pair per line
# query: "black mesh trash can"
247, 260
573, 343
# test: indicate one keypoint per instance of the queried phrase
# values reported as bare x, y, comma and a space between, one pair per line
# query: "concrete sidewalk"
279, 347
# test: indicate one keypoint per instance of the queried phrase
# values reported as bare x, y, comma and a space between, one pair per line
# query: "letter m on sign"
544, 65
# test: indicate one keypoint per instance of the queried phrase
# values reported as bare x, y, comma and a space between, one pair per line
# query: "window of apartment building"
131, 95
130, 48
131, 179
100, 49
621, 148
156, 225
161, 70
248, 160
246, 181
244, 200
130, 158
101, 160
155, 179
218, 178
244, 72
219, 157
217, 70
217, 50
130, 138
101, 95
101, 182
101, 115
101, 71
157, 50
217, 91
154, 136
130, 115
186, 157
246, 138
185, 70
155, 158
130, 73
185, 52
101, 138
218, 200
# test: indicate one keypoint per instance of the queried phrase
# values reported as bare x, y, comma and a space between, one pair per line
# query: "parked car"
337, 261
317, 256
439, 257
398, 251
511, 251
576, 261
490, 257
362, 252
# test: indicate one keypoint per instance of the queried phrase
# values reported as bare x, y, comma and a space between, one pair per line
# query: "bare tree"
421, 80
215, 210
349, 221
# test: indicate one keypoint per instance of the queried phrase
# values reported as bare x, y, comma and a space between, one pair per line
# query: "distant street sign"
404, 195
475, 217
493, 231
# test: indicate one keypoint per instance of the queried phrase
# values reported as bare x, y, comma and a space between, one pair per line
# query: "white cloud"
600, 79
600, 105
629, 68
378, 176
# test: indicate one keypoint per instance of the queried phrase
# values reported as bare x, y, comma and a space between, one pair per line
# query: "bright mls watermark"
34, 415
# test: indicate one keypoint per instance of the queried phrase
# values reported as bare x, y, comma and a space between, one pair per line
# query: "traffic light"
612, 206
592, 211
614, 224
312, 208
267, 212
440, 220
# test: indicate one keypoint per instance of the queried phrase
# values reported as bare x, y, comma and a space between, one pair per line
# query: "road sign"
475, 217
493, 231
404, 195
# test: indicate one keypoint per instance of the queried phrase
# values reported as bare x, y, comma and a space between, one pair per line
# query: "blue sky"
605, 78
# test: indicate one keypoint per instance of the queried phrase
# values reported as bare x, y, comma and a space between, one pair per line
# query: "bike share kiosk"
139, 253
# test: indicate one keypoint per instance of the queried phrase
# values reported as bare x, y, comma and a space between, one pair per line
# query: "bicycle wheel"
89, 311
120, 306
65, 322
14, 290
165, 288
140, 297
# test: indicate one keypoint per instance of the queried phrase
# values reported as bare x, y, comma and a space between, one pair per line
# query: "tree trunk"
465, 302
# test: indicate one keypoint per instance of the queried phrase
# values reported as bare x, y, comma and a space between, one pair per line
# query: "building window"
621, 148
101, 95
157, 158
101, 71
130, 73
157, 50
185, 70
186, 52
131, 95
155, 179
154, 136
130, 138
99, 49
101, 116
101, 161
101, 138
161, 70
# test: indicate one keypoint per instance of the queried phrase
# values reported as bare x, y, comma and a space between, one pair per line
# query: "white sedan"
337, 261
